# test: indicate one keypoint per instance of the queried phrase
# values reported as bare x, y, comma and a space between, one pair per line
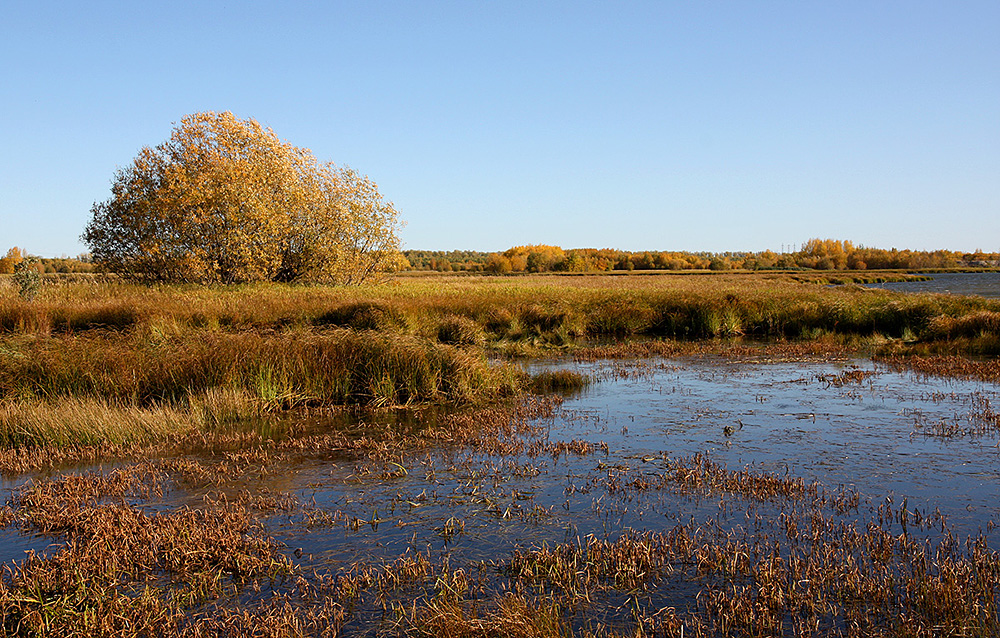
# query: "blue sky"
662, 125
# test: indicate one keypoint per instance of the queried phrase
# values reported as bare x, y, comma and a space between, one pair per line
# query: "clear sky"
688, 125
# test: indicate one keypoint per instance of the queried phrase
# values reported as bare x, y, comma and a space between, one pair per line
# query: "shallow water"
848, 423
984, 284
797, 418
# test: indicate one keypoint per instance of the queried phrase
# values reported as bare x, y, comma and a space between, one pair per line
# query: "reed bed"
121, 388
539, 310
286, 369
110, 363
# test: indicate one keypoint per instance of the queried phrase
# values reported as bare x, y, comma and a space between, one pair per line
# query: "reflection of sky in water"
984, 284
793, 418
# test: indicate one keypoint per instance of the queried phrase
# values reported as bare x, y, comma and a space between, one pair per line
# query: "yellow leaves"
10, 261
225, 200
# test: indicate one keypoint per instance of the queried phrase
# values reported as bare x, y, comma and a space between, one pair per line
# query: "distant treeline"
815, 254
15, 256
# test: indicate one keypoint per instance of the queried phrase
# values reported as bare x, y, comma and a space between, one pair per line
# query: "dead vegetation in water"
981, 420
854, 376
945, 366
118, 567
796, 561
803, 573
700, 474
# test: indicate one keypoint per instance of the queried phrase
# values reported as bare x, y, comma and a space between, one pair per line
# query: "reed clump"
460, 331
563, 381
363, 315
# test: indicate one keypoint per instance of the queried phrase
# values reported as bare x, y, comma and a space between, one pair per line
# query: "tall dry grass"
88, 421
299, 368
556, 310
92, 352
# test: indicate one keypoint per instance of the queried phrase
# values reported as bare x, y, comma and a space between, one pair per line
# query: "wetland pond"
984, 284
728, 450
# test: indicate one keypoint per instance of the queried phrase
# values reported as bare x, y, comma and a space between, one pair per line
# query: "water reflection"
593, 469
838, 423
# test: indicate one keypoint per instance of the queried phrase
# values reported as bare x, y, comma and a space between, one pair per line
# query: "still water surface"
931, 443
878, 432
879, 436
984, 284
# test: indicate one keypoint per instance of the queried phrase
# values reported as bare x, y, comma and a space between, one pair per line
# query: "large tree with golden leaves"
225, 200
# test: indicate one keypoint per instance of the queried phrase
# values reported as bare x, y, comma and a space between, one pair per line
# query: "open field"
424, 457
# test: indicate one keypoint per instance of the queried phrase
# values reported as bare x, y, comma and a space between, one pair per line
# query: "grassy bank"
110, 362
129, 387
494, 311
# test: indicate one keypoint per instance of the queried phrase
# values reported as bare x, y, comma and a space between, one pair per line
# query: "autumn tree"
9, 261
225, 200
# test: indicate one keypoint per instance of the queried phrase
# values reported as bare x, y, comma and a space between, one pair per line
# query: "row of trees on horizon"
65, 265
816, 254
225, 200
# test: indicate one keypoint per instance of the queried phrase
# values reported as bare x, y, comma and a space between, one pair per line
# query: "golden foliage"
13, 257
225, 200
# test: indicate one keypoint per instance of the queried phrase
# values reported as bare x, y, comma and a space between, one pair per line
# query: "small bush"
27, 278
